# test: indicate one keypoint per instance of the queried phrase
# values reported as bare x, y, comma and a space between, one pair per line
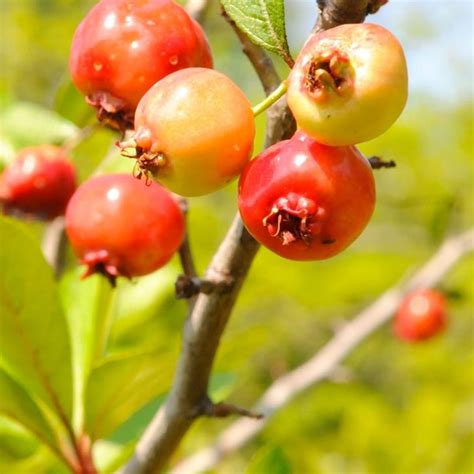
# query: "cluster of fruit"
146, 64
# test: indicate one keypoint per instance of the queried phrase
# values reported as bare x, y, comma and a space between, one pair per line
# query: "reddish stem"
85, 462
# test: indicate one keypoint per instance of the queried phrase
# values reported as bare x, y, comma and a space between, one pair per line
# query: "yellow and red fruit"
349, 84
194, 132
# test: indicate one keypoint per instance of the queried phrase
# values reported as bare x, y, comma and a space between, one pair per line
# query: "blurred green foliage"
402, 409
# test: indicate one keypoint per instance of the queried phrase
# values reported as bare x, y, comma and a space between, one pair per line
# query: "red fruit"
421, 315
349, 84
119, 226
122, 47
194, 131
306, 201
40, 181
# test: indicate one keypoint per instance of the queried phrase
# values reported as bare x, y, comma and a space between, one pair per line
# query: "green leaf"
89, 310
110, 456
16, 442
70, 103
17, 405
263, 21
269, 459
21, 452
98, 152
7, 153
25, 124
120, 385
33, 332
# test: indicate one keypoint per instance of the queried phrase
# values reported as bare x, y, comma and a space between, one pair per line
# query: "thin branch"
376, 162
185, 254
223, 410
186, 287
328, 358
54, 245
337, 12
260, 60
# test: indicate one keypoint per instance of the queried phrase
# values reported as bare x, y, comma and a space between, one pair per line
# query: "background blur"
399, 408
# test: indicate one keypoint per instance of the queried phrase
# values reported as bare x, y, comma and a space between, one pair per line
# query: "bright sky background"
437, 36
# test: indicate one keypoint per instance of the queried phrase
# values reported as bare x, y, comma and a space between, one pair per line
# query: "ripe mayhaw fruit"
118, 226
421, 315
194, 132
122, 47
306, 201
40, 181
349, 84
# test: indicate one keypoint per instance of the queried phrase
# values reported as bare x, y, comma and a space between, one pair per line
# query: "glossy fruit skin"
306, 201
122, 47
119, 226
194, 131
40, 181
421, 315
349, 84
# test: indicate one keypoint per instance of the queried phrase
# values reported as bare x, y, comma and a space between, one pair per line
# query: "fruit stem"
270, 99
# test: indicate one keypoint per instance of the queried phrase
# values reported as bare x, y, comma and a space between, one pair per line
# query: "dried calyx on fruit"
117, 226
349, 84
122, 47
194, 132
304, 200
39, 182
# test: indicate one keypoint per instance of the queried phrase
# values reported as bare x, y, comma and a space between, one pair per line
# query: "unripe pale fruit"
421, 315
306, 201
122, 47
194, 132
118, 226
349, 84
40, 182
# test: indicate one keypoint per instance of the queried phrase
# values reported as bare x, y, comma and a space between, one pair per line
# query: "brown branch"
376, 162
186, 287
223, 410
209, 315
323, 364
183, 283
260, 60
337, 12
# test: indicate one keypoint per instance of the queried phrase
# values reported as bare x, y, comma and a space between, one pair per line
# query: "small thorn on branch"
188, 286
222, 410
376, 162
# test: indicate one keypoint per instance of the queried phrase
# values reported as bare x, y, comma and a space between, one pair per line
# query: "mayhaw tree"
307, 196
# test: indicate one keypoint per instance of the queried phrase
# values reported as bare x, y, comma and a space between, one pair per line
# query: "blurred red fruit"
40, 182
421, 315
